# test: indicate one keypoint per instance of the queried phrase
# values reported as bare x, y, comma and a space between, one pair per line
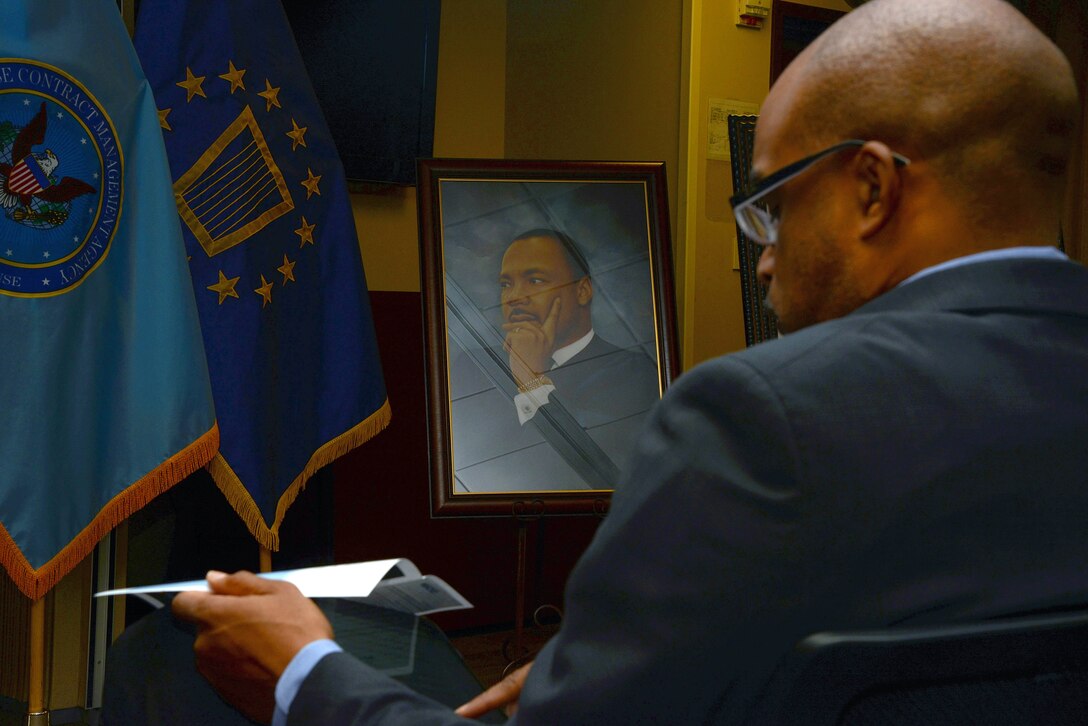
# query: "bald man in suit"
910, 452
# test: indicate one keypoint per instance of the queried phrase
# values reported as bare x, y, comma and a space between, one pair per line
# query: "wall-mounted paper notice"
719, 111
396, 584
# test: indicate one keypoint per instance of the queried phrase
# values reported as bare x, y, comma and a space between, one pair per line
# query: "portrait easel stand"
525, 512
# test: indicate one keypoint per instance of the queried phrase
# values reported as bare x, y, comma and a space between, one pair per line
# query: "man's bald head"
970, 86
980, 101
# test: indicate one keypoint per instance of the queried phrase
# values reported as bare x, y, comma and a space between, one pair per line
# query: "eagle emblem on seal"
29, 191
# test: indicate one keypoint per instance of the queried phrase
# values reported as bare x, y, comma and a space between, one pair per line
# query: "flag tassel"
34, 583
242, 501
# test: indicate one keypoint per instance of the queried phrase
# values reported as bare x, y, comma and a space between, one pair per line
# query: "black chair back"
1020, 671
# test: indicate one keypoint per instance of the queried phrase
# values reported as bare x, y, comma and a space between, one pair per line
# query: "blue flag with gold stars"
104, 388
274, 255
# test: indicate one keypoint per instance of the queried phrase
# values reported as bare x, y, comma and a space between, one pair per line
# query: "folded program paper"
396, 584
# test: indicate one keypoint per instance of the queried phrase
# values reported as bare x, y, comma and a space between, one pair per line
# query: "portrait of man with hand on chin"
552, 339
546, 296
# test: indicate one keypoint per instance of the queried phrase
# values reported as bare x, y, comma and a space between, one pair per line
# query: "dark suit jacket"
921, 460
604, 383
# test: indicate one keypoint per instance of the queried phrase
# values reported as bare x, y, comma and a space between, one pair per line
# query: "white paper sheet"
356, 579
406, 591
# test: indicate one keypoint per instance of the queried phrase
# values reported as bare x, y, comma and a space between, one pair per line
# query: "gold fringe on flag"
36, 583
242, 502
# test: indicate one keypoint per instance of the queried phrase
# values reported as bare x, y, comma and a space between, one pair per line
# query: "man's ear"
878, 185
584, 289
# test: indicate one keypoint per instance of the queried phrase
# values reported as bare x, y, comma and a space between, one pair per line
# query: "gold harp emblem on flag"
234, 189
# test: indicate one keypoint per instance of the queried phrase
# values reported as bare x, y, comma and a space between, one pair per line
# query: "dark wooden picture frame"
610, 218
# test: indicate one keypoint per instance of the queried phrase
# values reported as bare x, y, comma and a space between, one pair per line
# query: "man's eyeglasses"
757, 222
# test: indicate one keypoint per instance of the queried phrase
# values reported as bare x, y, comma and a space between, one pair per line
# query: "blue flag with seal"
274, 254
104, 386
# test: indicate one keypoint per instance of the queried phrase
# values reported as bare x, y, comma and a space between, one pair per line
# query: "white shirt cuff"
295, 673
527, 403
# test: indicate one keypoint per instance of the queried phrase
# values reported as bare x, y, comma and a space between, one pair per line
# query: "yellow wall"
595, 81
654, 66
537, 79
730, 63
469, 117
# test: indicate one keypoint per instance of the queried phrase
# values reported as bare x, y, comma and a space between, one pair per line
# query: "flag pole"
36, 713
265, 559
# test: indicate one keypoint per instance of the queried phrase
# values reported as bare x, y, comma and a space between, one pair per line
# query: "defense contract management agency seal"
61, 180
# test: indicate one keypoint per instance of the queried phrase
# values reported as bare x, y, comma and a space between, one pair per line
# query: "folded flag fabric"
274, 255
103, 378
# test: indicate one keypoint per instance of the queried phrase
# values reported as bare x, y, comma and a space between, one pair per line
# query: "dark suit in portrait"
606, 390
605, 383
920, 460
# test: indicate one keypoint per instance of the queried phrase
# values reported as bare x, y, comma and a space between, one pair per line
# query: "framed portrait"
550, 328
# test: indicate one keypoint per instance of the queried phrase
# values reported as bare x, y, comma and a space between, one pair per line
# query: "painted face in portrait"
537, 281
